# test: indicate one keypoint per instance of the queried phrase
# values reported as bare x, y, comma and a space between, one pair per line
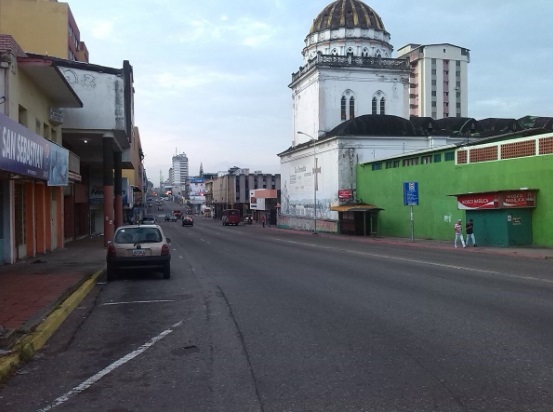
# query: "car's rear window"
138, 235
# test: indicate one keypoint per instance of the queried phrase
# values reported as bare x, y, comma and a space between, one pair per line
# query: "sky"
211, 77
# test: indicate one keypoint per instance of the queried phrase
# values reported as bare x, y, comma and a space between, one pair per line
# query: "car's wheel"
167, 271
111, 273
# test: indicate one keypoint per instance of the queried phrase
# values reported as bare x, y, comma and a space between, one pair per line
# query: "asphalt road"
257, 319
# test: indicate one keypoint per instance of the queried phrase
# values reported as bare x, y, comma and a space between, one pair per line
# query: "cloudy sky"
211, 76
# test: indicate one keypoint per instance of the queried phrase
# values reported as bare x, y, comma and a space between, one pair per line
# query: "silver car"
138, 247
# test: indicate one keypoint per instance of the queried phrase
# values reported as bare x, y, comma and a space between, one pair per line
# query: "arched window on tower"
343, 108
352, 107
365, 52
334, 52
383, 106
374, 106
349, 52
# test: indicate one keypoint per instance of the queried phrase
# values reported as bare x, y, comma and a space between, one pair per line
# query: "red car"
177, 213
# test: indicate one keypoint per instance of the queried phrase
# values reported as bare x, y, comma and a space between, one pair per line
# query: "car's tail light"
111, 251
164, 250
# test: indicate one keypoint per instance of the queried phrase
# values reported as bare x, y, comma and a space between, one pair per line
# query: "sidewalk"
37, 295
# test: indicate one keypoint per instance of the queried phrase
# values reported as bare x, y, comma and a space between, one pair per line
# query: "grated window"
484, 154
519, 149
546, 145
462, 156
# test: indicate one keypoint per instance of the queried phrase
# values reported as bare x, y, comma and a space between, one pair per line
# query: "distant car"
177, 213
170, 217
187, 220
149, 220
138, 247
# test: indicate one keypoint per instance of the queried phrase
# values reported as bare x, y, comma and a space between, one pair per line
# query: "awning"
136, 189
355, 208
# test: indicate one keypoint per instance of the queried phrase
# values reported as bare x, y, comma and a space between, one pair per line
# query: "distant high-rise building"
438, 80
180, 169
43, 27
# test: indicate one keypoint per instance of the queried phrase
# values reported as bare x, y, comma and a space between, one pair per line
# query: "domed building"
350, 106
347, 70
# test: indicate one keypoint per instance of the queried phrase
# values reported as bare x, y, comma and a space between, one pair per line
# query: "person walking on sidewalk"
470, 233
458, 227
263, 220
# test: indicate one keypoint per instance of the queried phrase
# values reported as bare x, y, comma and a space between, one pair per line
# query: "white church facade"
350, 106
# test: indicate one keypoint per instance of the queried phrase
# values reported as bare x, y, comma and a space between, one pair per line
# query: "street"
259, 319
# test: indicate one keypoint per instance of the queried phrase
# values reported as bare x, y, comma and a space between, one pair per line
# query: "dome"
350, 14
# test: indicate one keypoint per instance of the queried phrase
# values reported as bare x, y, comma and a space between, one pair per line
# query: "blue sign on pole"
410, 193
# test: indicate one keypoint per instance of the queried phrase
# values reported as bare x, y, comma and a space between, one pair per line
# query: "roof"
376, 125
50, 79
349, 14
360, 207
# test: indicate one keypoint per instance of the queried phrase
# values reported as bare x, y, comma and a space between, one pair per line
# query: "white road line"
92, 380
423, 262
135, 301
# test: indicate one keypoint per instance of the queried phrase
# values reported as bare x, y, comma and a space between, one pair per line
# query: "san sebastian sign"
504, 199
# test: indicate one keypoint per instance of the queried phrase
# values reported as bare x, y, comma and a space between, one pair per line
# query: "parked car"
149, 220
187, 220
138, 247
170, 217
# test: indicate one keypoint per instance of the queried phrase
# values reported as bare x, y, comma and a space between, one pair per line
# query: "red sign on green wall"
497, 200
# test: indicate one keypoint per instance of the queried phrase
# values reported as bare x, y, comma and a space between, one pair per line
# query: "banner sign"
59, 166
497, 200
22, 151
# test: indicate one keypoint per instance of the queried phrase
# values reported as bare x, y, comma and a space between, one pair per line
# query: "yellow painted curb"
27, 346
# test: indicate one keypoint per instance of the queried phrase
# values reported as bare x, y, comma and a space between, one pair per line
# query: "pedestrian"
458, 227
470, 233
263, 220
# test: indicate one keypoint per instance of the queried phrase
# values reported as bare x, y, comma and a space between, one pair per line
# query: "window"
383, 106
374, 106
365, 53
377, 166
413, 161
449, 156
343, 108
437, 158
426, 159
396, 163
352, 107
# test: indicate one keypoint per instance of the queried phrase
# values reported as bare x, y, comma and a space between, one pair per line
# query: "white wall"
103, 100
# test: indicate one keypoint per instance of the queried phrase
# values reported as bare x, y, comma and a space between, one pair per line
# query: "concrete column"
107, 171
118, 189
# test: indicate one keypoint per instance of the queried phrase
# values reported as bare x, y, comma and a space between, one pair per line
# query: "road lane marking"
136, 301
92, 380
423, 262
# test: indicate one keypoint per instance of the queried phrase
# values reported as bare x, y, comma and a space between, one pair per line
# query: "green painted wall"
436, 213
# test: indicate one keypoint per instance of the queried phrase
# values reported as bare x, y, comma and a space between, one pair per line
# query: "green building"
504, 183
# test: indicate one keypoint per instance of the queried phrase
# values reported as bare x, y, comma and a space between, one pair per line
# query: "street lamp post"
314, 182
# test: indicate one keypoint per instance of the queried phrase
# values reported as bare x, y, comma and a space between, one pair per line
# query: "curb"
26, 347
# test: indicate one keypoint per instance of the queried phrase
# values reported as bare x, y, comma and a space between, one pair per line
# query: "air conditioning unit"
56, 116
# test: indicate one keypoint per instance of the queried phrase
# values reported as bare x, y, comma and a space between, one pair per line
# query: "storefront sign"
345, 194
497, 200
524, 198
478, 201
22, 151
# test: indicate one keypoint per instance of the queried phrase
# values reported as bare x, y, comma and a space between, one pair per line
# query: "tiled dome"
349, 14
